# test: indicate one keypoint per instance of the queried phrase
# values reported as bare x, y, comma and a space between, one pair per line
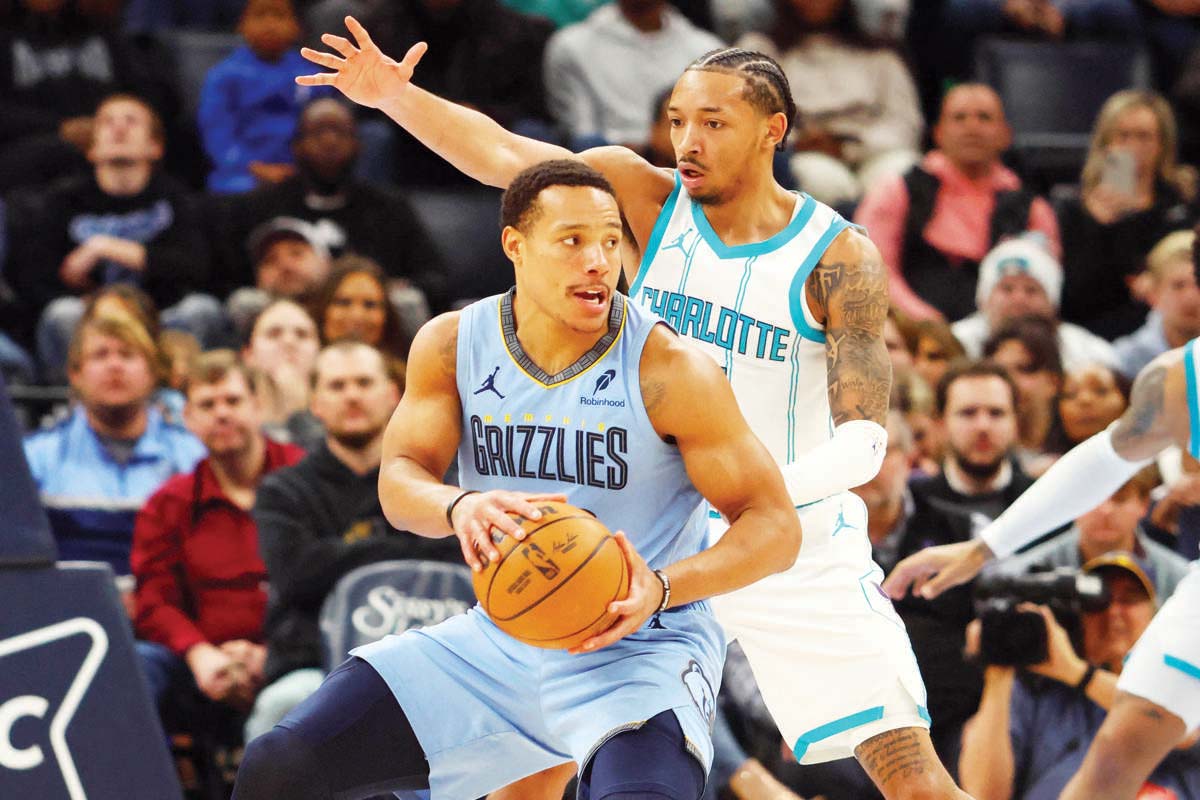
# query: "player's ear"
777, 128
513, 242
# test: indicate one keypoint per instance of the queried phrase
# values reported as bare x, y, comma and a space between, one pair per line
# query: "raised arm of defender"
473, 142
848, 290
1078, 482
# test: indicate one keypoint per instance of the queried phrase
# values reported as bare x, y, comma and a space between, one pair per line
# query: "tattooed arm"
849, 290
848, 293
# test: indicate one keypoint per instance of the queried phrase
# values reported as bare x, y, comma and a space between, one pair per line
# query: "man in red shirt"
934, 224
200, 580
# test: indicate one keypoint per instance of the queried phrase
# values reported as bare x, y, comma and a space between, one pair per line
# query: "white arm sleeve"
851, 458
1078, 482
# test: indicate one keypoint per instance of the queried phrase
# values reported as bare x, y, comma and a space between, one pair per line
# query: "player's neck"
756, 214
552, 345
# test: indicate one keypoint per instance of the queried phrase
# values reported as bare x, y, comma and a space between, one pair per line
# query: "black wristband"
1082, 686
453, 503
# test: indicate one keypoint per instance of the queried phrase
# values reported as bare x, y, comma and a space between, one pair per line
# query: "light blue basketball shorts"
489, 710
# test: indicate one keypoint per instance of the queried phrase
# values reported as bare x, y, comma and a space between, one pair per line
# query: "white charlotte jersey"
745, 306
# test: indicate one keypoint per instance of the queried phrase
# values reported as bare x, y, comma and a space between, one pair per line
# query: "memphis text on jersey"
547, 448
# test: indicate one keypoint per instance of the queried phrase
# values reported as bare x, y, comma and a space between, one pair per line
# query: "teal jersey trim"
923, 713
1186, 667
1189, 366
834, 728
796, 290
754, 248
656, 236
793, 398
737, 307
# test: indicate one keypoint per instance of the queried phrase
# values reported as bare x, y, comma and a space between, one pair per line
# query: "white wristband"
850, 458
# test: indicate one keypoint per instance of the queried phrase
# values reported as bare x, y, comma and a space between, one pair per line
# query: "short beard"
117, 417
980, 472
710, 199
355, 441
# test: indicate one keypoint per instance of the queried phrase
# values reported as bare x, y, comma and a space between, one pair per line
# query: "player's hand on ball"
478, 515
936, 569
644, 598
362, 73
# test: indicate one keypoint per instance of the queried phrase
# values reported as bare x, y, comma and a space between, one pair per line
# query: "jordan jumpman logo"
489, 384
841, 523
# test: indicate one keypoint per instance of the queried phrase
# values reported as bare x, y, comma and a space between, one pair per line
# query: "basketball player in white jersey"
790, 301
1158, 693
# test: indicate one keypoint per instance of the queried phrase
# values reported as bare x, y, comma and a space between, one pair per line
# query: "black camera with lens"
1015, 638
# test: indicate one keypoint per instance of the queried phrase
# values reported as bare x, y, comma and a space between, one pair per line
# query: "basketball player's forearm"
414, 499
471, 141
758, 544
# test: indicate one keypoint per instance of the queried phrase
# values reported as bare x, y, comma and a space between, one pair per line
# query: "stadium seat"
1052, 92
391, 597
195, 53
465, 227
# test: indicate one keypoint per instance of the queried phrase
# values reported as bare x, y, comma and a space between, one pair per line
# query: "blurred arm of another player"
689, 401
421, 441
848, 293
1078, 482
474, 143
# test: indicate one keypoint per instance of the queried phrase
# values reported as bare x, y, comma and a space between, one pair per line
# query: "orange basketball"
552, 590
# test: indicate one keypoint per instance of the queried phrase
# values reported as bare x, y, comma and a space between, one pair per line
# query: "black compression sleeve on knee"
649, 763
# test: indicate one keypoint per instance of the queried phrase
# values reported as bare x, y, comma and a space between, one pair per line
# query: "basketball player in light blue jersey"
558, 388
1158, 693
789, 300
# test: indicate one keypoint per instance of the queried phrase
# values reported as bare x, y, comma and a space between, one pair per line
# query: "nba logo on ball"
556, 591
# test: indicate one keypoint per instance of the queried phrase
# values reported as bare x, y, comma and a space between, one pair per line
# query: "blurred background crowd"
209, 277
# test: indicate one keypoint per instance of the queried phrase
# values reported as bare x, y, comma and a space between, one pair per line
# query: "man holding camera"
1035, 720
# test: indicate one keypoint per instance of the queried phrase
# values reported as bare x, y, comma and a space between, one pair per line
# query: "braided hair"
767, 88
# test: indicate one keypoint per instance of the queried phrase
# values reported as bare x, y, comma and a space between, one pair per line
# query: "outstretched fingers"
322, 59
359, 33
339, 43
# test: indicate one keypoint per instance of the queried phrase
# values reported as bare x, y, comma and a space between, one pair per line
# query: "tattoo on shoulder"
855, 301
449, 353
1145, 406
892, 754
653, 392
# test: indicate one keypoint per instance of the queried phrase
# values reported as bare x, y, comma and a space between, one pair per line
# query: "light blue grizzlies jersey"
583, 432
745, 306
1190, 365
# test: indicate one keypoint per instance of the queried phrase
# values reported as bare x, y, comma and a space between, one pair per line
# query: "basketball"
553, 589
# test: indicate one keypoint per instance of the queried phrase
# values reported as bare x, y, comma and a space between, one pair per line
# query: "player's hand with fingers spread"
475, 515
936, 569
645, 596
361, 71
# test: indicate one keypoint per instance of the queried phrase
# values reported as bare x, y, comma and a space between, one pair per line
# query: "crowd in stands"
220, 272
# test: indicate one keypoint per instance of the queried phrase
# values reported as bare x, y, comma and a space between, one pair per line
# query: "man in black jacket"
127, 222
321, 519
350, 215
980, 478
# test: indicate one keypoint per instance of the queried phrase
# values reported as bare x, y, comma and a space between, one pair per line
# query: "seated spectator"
897, 339
1052, 19
1174, 318
60, 59
200, 580
127, 222
913, 398
1030, 735
977, 404
1092, 398
859, 115
888, 500
347, 214
603, 74
934, 348
283, 346
1115, 524
250, 102
95, 469
1017, 278
354, 305
1027, 348
321, 518
290, 262
1132, 194
481, 54
936, 223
